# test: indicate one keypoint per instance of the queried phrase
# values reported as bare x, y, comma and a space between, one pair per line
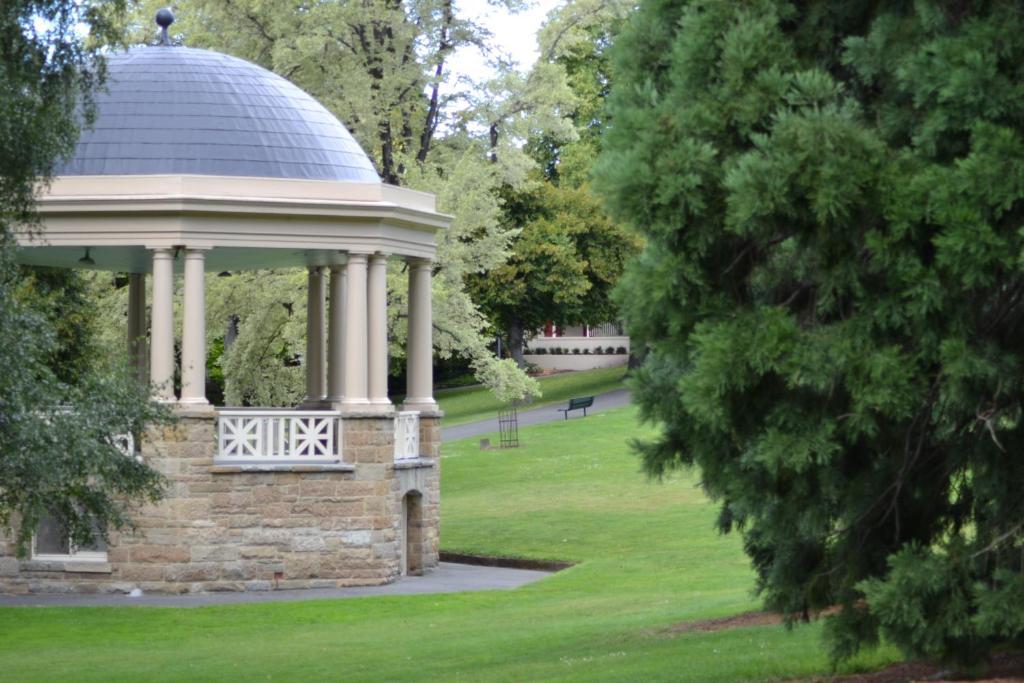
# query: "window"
50, 543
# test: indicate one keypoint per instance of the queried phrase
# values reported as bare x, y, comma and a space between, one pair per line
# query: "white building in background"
580, 347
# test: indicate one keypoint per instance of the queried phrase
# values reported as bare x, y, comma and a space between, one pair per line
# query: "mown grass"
469, 404
648, 558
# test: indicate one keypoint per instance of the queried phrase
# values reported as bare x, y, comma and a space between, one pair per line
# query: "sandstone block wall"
430, 449
229, 528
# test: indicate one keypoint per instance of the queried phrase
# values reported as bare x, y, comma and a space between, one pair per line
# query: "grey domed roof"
180, 110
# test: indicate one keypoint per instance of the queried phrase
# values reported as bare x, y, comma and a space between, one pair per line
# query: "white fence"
407, 436
568, 344
265, 436
577, 353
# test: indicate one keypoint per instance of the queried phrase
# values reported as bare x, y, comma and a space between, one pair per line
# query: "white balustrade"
407, 435
265, 436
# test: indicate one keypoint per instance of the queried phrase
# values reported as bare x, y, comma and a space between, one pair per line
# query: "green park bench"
580, 403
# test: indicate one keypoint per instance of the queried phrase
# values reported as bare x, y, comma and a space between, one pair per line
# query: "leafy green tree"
567, 254
565, 260
60, 420
63, 296
259, 366
576, 38
833, 298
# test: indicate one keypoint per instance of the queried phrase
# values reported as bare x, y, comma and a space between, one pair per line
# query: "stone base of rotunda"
227, 528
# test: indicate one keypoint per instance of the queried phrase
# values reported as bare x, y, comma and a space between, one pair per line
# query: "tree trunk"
494, 142
231, 333
445, 47
516, 343
636, 358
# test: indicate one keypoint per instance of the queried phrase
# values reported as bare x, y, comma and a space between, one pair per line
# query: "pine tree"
832, 295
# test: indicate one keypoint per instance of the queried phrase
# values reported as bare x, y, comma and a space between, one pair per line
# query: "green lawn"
469, 404
648, 558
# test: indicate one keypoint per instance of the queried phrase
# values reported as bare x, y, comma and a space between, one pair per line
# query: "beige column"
377, 327
336, 335
315, 385
161, 343
137, 324
193, 331
355, 335
419, 368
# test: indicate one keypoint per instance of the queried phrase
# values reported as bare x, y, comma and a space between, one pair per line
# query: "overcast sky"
514, 34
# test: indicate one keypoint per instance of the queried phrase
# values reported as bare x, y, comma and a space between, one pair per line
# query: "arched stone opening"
412, 534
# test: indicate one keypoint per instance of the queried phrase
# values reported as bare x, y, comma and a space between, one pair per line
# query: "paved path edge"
449, 577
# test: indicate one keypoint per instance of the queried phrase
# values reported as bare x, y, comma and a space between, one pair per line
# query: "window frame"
73, 554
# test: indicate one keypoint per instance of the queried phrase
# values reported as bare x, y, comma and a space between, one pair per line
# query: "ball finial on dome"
164, 17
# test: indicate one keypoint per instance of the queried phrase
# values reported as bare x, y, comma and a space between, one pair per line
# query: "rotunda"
201, 162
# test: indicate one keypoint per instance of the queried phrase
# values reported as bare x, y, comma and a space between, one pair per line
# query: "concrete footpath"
447, 578
536, 416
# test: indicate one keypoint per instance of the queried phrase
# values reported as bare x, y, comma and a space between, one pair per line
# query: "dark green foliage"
61, 419
832, 298
60, 441
927, 602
